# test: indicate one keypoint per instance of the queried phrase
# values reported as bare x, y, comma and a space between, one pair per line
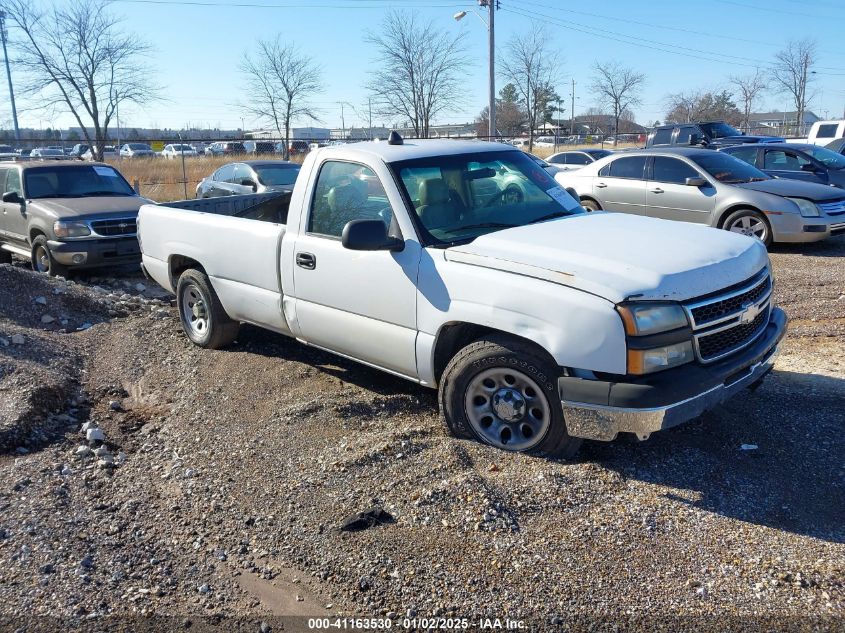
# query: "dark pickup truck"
709, 134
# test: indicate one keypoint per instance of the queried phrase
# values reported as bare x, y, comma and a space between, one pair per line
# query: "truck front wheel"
502, 392
203, 317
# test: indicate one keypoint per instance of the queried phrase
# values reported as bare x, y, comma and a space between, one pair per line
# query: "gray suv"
66, 215
711, 188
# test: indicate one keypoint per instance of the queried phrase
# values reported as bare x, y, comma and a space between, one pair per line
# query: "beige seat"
436, 209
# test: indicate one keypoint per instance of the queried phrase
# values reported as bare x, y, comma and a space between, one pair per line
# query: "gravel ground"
221, 478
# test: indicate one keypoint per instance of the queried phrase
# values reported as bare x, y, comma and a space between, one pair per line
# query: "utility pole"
370, 105
9, 76
342, 122
491, 4
572, 121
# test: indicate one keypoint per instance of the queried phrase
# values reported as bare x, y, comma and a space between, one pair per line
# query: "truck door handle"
656, 190
306, 260
601, 185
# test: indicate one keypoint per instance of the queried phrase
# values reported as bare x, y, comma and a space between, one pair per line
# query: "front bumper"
599, 410
789, 227
96, 252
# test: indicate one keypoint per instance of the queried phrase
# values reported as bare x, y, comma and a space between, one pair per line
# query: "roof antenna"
395, 138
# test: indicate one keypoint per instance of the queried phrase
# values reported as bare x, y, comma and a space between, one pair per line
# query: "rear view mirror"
369, 235
484, 172
695, 182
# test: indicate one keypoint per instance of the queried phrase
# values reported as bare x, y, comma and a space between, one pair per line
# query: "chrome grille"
729, 321
837, 207
114, 226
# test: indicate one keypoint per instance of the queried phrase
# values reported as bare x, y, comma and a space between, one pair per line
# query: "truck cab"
709, 134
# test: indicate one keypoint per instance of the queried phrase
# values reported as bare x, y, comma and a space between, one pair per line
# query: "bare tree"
792, 73
532, 67
280, 83
618, 85
749, 87
418, 72
75, 57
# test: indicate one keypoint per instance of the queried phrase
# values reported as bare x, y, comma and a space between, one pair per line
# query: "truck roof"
418, 148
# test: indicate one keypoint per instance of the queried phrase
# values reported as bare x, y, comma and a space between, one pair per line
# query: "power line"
663, 47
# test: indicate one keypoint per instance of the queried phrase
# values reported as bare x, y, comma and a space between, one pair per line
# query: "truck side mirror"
369, 235
808, 167
249, 182
12, 197
697, 181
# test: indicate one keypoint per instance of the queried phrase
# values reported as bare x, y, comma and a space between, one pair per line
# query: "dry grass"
161, 179
545, 152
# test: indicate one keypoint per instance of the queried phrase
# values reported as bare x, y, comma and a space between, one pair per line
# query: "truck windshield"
728, 169
460, 197
274, 175
719, 130
68, 181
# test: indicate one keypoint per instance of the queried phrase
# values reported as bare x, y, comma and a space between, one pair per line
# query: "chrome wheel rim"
749, 225
195, 311
507, 409
41, 259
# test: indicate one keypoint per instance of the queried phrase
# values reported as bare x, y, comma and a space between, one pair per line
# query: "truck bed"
266, 207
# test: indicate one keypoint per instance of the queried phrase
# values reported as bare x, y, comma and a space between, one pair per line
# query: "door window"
225, 173
672, 170
346, 192
628, 167
242, 172
747, 154
577, 159
684, 134
662, 137
13, 181
783, 160
827, 131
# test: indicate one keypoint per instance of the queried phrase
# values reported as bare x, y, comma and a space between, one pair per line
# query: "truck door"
359, 303
669, 197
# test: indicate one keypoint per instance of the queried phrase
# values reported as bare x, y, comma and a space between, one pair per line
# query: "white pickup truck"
463, 266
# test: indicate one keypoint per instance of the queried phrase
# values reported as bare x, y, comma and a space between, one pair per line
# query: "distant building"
780, 119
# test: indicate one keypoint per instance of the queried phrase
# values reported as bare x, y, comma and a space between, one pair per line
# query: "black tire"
506, 355
42, 259
756, 225
590, 205
203, 318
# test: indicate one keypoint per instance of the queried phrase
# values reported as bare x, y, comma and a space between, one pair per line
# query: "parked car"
810, 163
47, 153
295, 148
551, 170
824, 132
710, 134
252, 176
259, 147
575, 159
136, 150
712, 188
539, 323
225, 148
78, 150
68, 215
24, 153
109, 151
177, 150
7, 152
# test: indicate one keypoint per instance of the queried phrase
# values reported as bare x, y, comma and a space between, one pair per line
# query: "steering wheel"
510, 190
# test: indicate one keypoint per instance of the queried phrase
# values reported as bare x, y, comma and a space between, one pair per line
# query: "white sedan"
177, 149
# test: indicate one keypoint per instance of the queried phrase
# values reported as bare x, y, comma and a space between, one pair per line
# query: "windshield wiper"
550, 216
105, 193
486, 225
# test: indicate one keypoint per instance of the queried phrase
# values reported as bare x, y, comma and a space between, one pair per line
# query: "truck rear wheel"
201, 313
502, 392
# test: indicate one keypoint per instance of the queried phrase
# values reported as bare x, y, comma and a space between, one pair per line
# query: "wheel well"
455, 336
181, 263
591, 199
738, 207
33, 233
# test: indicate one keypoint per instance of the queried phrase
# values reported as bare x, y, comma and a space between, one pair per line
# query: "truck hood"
618, 256
795, 189
724, 141
84, 207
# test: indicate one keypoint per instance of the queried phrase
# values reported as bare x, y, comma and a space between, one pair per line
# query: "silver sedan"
712, 188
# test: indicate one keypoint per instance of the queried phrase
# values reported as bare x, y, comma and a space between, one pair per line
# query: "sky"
678, 45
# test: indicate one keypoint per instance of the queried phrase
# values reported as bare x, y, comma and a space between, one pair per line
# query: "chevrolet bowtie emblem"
749, 313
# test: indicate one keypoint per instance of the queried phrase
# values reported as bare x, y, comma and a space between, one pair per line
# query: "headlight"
645, 361
807, 208
71, 229
652, 318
